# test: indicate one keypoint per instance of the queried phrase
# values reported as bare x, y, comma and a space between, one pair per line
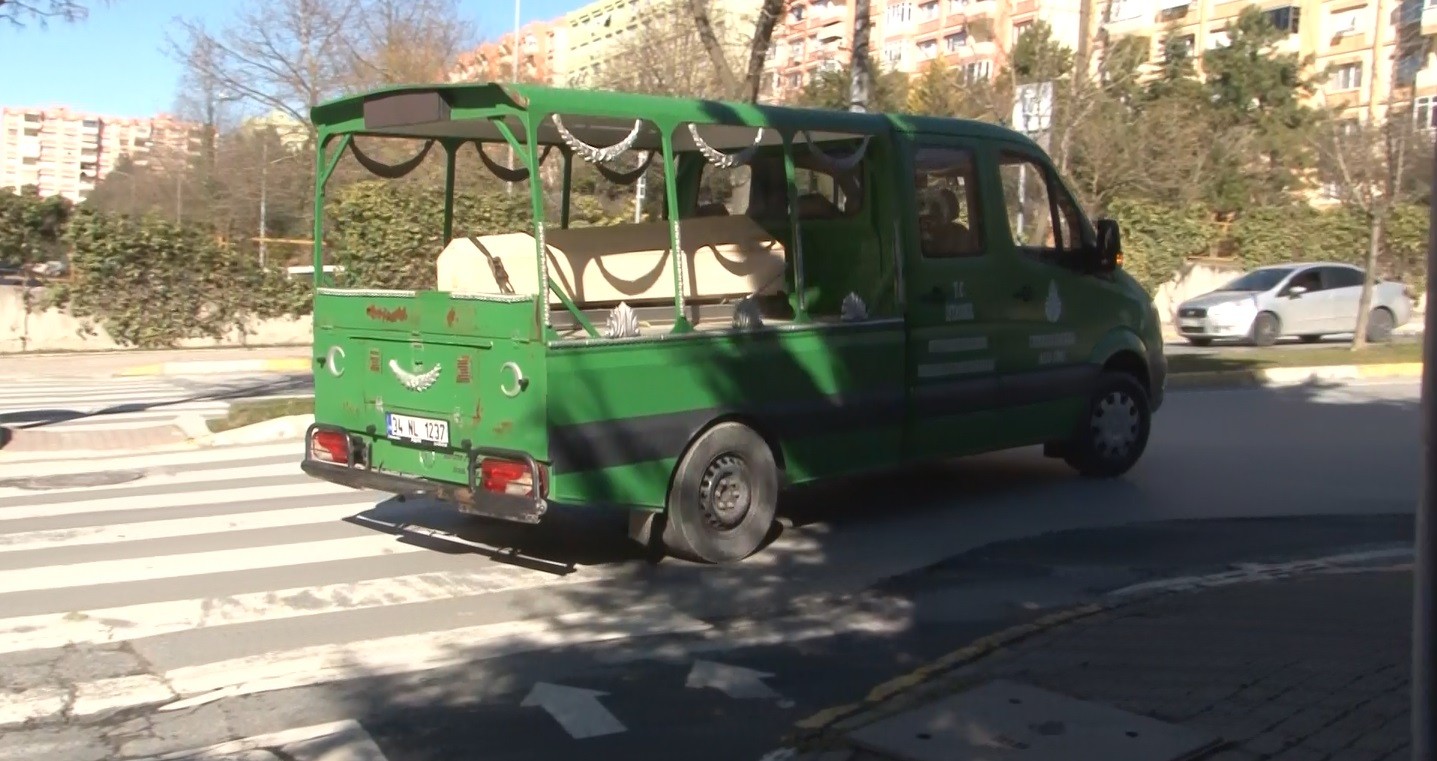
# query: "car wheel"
1113, 433
1310, 339
724, 496
1380, 325
1265, 330
1200, 341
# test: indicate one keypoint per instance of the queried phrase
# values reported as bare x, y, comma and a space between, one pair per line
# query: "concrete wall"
54, 330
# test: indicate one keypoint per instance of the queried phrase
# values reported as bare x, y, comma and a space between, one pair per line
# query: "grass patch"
1254, 358
249, 412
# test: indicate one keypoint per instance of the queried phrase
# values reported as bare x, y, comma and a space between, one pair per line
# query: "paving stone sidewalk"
1313, 666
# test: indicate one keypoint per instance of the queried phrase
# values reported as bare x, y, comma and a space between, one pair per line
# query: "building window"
955, 6
900, 14
797, 12
1347, 76
1122, 10
953, 42
1218, 38
928, 11
1018, 30
893, 54
1345, 22
1285, 18
928, 49
1424, 112
978, 71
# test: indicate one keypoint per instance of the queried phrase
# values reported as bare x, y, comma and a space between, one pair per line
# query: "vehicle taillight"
329, 446
508, 477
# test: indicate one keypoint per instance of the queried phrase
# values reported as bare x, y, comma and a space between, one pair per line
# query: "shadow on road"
1200, 498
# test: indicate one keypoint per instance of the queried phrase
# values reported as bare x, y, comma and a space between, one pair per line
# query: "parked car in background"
1305, 300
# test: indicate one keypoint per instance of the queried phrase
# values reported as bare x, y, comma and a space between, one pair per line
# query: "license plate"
421, 430
1191, 323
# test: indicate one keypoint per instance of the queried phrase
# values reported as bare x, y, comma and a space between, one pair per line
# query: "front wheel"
723, 498
1265, 329
1114, 430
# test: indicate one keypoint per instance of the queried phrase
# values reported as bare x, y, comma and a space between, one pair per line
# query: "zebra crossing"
227, 571
55, 403
81, 404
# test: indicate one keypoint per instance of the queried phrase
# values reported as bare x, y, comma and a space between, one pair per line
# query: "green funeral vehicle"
861, 292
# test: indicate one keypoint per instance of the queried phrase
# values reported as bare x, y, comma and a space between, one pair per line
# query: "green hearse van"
870, 291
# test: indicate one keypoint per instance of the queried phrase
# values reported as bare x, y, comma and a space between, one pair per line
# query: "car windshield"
1257, 280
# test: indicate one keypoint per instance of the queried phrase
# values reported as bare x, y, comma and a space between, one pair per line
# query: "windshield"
1258, 280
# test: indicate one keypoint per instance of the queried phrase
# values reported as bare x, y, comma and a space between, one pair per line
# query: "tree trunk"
1364, 304
860, 86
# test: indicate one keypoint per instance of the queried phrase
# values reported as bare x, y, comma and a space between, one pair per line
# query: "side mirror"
1296, 291
1108, 253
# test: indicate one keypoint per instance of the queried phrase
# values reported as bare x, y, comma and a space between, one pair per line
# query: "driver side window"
1042, 217
1309, 279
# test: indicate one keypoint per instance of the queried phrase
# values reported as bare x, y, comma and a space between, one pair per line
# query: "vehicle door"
956, 291
1057, 310
1299, 304
1341, 294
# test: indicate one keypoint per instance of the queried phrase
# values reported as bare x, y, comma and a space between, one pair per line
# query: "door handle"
1024, 294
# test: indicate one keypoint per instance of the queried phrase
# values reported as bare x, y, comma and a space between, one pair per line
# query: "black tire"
1380, 325
1310, 339
724, 495
1102, 449
1200, 341
1265, 329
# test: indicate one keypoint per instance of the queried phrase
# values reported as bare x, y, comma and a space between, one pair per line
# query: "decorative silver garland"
592, 154
719, 158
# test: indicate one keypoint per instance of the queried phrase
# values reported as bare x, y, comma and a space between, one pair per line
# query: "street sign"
1033, 110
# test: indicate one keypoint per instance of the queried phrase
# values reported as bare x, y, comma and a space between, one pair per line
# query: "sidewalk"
1315, 666
173, 362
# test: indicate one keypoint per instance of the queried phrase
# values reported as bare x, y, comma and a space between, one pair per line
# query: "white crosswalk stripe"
80, 404
229, 571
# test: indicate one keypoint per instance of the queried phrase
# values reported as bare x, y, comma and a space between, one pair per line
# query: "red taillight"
330, 446
508, 477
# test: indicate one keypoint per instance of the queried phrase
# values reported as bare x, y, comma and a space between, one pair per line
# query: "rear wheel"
1380, 325
723, 498
1114, 430
1265, 329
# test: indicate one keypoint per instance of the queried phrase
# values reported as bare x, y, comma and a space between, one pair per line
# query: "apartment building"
540, 50
597, 30
66, 152
975, 36
1374, 51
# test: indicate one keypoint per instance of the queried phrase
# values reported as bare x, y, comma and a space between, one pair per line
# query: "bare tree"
860, 88
663, 54
42, 11
399, 41
1368, 167
763, 26
287, 55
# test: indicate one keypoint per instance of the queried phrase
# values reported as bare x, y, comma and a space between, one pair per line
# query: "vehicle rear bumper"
468, 498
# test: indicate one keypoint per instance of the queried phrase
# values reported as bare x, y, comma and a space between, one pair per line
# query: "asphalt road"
234, 585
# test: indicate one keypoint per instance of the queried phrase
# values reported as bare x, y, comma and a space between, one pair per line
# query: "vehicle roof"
341, 113
1296, 265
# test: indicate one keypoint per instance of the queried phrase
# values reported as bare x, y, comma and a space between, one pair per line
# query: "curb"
823, 731
1287, 376
288, 428
211, 367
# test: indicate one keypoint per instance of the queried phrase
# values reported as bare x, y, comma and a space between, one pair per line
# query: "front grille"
1192, 312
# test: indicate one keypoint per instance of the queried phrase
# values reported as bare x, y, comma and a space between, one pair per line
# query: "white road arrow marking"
733, 681
576, 709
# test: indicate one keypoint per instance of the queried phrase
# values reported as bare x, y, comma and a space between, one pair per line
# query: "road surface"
157, 603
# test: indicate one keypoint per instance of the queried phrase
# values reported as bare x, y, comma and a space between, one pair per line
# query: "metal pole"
263, 198
860, 86
1424, 570
514, 77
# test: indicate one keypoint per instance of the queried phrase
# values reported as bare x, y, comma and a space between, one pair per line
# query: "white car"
1304, 300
